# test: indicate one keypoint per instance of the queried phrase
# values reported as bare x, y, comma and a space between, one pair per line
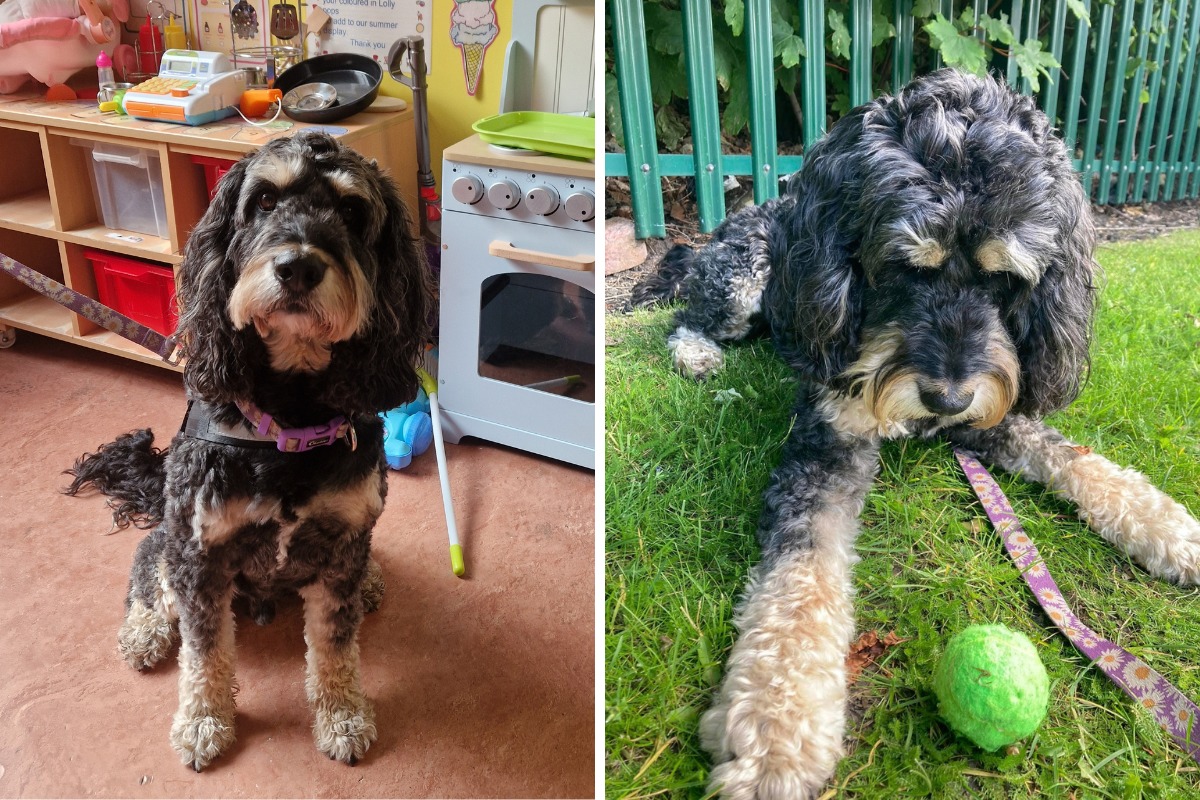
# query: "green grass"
685, 473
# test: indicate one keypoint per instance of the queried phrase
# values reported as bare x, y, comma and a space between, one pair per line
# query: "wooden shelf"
33, 312
112, 343
28, 213
151, 247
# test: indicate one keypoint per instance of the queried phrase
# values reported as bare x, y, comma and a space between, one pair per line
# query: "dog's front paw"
146, 637
775, 727
694, 354
201, 738
764, 755
345, 733
1129, 511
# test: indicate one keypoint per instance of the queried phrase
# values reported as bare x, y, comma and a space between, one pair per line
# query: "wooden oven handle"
581, 263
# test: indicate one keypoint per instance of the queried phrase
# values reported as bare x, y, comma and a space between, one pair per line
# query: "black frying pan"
355, 77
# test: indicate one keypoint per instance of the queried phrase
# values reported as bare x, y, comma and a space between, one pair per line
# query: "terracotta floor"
482, 687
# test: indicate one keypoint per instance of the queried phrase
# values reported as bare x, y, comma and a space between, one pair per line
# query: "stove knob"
581, 206
467, 189
542, 200
504, 194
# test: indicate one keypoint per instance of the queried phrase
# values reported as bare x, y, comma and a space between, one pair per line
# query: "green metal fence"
1111, 92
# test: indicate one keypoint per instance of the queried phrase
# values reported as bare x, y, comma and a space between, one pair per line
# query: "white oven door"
518, 335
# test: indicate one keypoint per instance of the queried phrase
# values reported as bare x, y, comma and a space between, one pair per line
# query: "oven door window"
538, 332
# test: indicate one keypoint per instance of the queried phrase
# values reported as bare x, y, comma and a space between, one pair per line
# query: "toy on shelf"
193, 87
407, 431
51, 40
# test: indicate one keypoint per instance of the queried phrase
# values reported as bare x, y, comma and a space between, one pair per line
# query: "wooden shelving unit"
48, 215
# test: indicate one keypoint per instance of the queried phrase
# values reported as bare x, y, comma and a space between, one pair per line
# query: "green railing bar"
1173, 166
1162, 114
1095, 97
702, 109
760, 57
1058, 31
677, 164
1114, 107
1151, 110
637, 117
1082, 31
1031, 24
1133, 116
946, 9
1014, 20
978, 7
902, 47
1188, 169
812, 70
860, 52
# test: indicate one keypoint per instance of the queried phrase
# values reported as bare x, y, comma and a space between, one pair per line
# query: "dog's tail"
666, 283
131, 471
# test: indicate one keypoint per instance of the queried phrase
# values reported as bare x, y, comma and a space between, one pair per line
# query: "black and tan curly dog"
303, 303
928, 272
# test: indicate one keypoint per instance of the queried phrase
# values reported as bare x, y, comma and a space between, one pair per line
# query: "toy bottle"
104, 69
173, 36
150, 47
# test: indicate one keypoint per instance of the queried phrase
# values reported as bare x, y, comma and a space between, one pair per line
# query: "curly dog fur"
302, 294
928, 271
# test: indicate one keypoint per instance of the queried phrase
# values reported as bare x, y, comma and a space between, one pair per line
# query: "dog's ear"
395, 336
1051, 322
216, 354
815, 299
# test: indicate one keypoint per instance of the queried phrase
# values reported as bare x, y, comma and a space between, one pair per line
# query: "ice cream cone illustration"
473, 30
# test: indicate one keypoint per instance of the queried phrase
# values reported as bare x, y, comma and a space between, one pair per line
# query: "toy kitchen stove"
516, 357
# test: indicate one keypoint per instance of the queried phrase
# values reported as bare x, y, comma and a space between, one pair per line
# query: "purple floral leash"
1170, 708
163, 346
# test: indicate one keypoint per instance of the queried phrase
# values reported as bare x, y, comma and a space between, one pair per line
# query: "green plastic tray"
560, 134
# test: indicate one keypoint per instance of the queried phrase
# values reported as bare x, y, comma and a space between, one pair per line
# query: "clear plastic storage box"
127, 183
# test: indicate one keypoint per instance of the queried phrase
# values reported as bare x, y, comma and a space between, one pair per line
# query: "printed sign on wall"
370, 27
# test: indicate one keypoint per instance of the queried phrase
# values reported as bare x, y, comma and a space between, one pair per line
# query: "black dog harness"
200, 423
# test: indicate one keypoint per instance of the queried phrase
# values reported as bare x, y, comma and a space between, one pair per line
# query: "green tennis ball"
991, 686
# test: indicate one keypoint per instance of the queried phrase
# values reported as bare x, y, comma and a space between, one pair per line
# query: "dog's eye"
267, 200
351, 212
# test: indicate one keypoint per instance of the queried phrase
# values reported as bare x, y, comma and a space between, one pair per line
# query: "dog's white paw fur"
1127, 510
146, 636
345, 733
694, 354
200, 738
775, 729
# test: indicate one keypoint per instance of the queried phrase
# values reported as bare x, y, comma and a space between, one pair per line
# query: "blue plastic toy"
407, 431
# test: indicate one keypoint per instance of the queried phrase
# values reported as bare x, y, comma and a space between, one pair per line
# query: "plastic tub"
214, 168
127, 183
140, 290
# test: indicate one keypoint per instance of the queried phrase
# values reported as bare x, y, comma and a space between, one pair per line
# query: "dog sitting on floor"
928, 271
304, 302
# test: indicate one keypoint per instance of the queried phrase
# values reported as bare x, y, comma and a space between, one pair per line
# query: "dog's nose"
947, 403
302, 274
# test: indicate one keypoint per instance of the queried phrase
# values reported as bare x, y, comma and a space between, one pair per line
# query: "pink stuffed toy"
51, 40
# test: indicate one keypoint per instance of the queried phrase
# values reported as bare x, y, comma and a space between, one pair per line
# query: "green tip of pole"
456, 560
427, 382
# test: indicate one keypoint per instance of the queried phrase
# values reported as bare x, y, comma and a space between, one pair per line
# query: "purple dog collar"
299, 440
1170, 707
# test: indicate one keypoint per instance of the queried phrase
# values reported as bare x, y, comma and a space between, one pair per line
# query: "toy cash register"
192, 87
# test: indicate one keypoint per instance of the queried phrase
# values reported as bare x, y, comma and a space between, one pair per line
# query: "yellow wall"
451, 110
